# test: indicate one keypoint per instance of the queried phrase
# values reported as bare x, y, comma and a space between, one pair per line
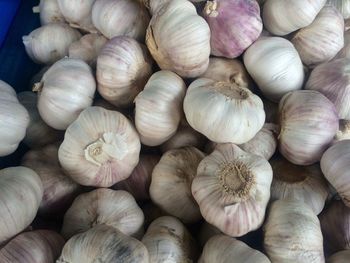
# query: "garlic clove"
343, 7
339, 257
49, 12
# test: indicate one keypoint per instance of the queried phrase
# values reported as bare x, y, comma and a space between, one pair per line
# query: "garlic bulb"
224, 249
65, 90
21, 192
186, 51
275, 65
302, 141
103, 243
38, 133
158, 108
49, 43
87, 48
120, 18
342, 5
232, 188
49, 12
292, 233
167, 240
344, 131
171, 183
39, 246
240, 106
59, 189
301, 183
321, 40
100, 148
206, 231
340, 257
282, 17
14, 120
123, 68
140, 179
345, 51
117, 209
234, 26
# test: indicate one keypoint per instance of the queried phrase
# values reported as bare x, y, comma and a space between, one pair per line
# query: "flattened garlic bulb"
171, 183
66, 89
232, 188
103, 244
39, 246
339, 257
224, 249
49, 12
158, 108
14, 120
21, 192
100, 148
49, 43
117, 209
223, 111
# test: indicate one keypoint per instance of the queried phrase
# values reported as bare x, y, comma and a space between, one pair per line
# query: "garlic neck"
231, 90
344, 130
211, 8
37, 87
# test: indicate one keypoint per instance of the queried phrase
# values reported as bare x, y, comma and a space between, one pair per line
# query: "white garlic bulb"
100, 148
21, 192
282, 17
14, 120
206, 232
65, 90
238, 114
186, 51
224, 249
49, 43
49, 12
103, 243
120, 18
322, 39
339, 257
232, 189
345, 51
123, 68
292, 233
158, 108
342, 5
275, 65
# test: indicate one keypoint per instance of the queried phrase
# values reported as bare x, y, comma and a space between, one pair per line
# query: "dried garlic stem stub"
100, 148
292, 233
103, 244
171, 183
344, 131
232, 188
339, 257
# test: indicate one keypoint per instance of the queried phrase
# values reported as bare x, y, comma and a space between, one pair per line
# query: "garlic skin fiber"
65, 90
49, 12
100, 148
343, 7
49, 43
339, 257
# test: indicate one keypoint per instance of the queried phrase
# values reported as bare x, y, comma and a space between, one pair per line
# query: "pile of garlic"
180, 131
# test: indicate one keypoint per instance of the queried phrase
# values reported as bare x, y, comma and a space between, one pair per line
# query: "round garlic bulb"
14, 120
308, 123
49, 43
339, 257
206, 232
21, 192
238, 115
100, 148
123, 68
292, 233
282, 17
275, 65
345, 51
186, 51
232, 188
120, 18
103, 243
342, 5
171, 183
49, 12
225, 249
65, 90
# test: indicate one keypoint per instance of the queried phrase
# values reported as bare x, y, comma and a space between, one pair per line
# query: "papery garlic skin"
186, 51
238, 113
100, 148
302, 141
275, 65
21, 192
322, 39
123, 68
339, 257
232, 189
345, 51
49, 43
65, 90
14, 120
292, 233
158, 108
103, 244
342, 5
282, 17
50, 12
